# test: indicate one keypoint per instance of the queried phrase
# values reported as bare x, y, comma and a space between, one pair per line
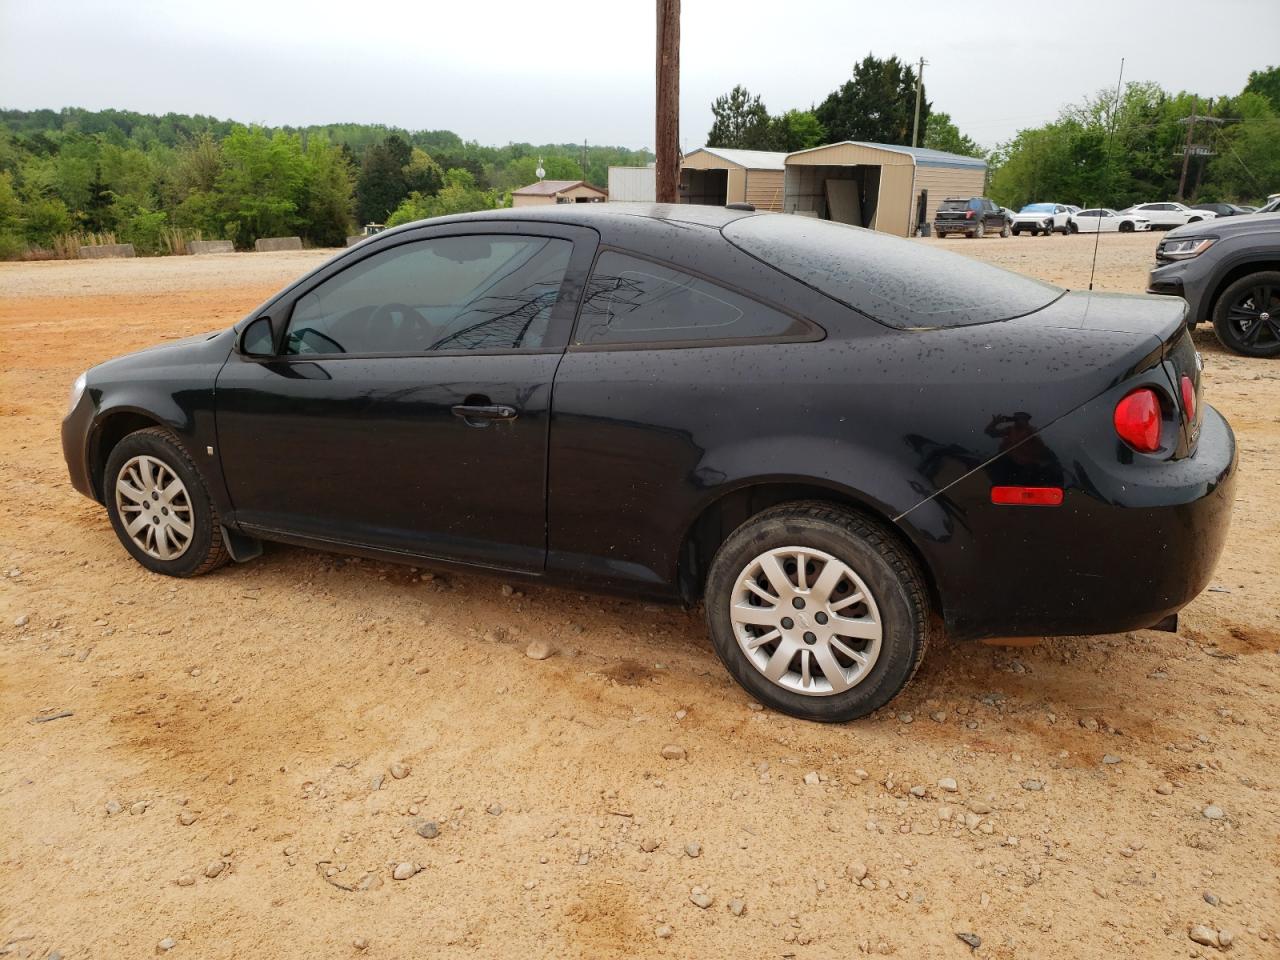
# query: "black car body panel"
622, 457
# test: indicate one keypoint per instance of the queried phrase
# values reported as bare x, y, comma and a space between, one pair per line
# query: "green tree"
523, 172
876, 105
796, 130
328, 195
261, 184
422, 174
1266, 83
741, 121
460, 194
941, 134
382, 183
12, 241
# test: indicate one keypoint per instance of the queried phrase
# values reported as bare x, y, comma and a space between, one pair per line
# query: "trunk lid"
1161, 336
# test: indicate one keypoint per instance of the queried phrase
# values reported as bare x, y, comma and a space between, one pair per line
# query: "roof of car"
597, 214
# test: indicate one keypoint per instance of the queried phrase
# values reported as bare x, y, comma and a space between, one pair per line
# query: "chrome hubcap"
154, 508
806, 621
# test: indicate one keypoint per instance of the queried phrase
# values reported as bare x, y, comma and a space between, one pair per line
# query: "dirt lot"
228, 777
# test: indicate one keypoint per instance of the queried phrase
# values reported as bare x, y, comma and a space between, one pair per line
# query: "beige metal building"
876, 185
716, 176
557, 191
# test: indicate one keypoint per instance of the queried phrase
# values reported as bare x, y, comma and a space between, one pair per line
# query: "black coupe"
841, 442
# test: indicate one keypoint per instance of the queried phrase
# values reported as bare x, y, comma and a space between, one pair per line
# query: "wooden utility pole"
1186, 150
915, 126
667, 140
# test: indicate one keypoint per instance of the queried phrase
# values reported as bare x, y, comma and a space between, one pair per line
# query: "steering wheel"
413, 328
298, 341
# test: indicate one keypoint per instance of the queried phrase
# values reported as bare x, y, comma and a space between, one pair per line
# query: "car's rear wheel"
1017, 232
1247, 315
1073, 227
159, 506
980, 230
817, 612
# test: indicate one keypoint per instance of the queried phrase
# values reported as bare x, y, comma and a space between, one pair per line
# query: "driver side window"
451, 293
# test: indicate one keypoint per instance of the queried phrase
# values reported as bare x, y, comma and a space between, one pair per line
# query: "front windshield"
1037, 208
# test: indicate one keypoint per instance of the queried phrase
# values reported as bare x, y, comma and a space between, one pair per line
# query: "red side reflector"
1027, 496
1188, 398
1137, 420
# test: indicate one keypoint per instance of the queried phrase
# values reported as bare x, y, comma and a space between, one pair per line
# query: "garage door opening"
844, 193
710, 187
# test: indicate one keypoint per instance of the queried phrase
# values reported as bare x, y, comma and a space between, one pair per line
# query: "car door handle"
478, 415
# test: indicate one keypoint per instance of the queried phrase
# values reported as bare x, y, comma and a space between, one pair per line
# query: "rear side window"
634, 301
899, 282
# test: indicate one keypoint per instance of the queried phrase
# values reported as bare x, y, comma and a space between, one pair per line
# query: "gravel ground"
309, 756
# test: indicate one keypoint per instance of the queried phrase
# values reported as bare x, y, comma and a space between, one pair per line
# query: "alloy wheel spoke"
750, 584
830, 668
860, 628
125, 486
843, 602
825, 585
780, 660
776, 575
134, 526
857, 656
756, 643
179, 526
754, 616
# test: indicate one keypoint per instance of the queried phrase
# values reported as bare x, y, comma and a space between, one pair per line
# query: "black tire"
980, 230
205, 550
1126, 227
1004, 231
885, 567
1017, 232
1262, 338
1074, 227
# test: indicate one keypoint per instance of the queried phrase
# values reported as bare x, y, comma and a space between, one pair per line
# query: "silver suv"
1228, 271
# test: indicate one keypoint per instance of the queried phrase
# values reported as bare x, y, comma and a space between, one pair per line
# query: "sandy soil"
246, 729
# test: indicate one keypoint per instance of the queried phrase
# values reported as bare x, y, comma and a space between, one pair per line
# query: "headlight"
77, 391
1186, 249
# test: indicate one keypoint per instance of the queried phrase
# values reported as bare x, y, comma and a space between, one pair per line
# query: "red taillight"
1189, 398
968, 214
1027, 496
1137, 420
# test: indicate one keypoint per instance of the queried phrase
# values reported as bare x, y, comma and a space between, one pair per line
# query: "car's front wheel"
817, 612
1126, 227
1246, 316
159, 507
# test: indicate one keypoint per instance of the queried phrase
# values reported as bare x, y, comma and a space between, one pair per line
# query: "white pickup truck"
1042, 218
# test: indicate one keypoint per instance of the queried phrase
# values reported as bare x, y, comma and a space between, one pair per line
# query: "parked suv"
973, 217
1042, 218
1228, 270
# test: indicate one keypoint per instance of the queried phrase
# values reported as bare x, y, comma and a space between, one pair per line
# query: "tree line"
876, 104
75, 175
1104, 151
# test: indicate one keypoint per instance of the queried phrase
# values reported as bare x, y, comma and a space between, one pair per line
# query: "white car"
1103, 220
1166, 216
1042, 218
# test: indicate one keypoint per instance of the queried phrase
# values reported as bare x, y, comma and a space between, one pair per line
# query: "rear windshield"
954, 205
901, 283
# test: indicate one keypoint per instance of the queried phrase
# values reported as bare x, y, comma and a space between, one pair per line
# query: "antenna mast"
1111, 135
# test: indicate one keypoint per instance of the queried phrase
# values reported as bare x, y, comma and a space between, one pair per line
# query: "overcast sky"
553, 72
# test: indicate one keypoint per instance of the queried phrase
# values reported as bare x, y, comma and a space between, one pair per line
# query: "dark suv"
973, 217
1228, 270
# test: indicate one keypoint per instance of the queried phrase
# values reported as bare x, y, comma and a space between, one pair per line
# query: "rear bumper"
1130, 545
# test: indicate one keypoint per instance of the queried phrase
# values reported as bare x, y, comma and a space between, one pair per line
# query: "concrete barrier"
273, 244
100, 251
197, 247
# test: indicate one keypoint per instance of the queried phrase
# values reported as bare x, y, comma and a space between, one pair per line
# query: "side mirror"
258, 339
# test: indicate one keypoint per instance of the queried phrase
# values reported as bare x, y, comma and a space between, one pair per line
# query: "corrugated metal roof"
751, 159
549, 188
923, 156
